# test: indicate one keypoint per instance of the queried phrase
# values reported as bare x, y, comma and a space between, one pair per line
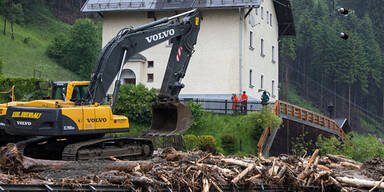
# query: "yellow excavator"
72, 125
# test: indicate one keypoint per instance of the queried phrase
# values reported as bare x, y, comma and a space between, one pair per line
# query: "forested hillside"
330, 71
29, 31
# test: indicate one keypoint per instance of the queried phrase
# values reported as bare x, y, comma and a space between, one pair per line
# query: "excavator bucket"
169, 118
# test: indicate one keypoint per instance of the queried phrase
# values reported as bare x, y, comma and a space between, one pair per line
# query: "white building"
236, 50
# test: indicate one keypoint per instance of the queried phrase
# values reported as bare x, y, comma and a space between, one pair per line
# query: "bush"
135, 102
198, 114
190, 142
262, 120
26, 40
355, 146
228, 143
206, 143
301, 145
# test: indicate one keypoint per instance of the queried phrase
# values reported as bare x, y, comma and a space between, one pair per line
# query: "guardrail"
224, 106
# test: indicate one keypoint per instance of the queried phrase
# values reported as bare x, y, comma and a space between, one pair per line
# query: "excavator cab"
69, 91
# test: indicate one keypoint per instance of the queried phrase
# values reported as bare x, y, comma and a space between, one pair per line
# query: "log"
281, 172
162, 177
321, 174
323, 167
313, 157
304, 174
360, 182
205, 185
351, 165
236, 162
338, 159
243, 173
334, 181
203, 158
145, 181
253, 177
335, 166
224, 171
216, 186
381, 181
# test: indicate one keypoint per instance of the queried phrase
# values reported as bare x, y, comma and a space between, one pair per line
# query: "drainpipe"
240, 48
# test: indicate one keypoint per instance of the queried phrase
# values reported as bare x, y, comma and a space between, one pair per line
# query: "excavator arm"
130, 41
169, 116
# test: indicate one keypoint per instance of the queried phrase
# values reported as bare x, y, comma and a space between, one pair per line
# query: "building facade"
236, 50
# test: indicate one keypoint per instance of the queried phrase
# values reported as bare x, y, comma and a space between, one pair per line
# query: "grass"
246, 129
25, 55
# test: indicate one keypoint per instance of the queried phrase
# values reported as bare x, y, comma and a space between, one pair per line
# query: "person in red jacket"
244, 99
235, 102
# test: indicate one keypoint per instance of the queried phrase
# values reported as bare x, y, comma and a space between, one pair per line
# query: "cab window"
79, 92
59, 92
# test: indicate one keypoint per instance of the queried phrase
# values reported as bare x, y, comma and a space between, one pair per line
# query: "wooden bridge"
297, 122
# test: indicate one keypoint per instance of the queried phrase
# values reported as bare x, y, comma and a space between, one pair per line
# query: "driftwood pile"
200, 171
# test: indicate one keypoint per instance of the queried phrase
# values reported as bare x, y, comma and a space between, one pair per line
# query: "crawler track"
86, 148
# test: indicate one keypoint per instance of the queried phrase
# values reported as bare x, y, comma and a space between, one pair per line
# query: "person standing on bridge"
244, 100
235, 101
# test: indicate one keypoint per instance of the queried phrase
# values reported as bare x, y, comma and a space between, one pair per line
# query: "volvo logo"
25, 123
160, 35
96, 120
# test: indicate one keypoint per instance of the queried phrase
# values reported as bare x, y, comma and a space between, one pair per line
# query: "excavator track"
73, 149
120, 147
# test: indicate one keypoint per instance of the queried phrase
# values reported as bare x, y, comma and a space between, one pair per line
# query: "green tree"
58, 47
78, 51
83, 47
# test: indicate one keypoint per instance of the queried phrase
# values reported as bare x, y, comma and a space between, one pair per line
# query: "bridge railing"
297, 112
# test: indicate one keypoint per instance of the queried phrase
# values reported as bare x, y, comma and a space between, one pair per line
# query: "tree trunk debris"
199, 171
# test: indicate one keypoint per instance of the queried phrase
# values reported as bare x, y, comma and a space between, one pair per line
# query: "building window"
262, 48
270, 19
262, 82
273, 54
273, 88
150, 64
262, 13
150, 77
251, 40
267, 17
250, 79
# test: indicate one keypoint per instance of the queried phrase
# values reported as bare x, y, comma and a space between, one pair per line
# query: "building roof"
162, 5
343, 123
284, 17
283, 8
